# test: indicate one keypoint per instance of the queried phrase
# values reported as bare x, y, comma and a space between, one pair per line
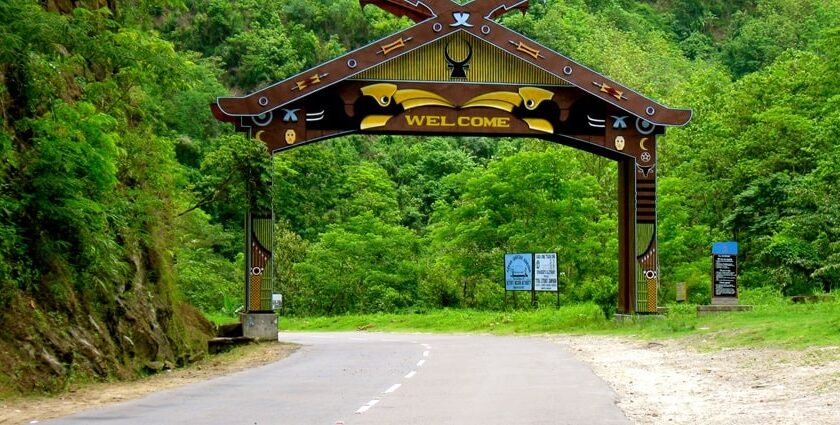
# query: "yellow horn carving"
416, 103
533, 96
375, 121
503, 100
540, 124
417, 98
381, 92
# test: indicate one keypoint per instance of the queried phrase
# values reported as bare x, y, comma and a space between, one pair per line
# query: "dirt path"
669, 383
31, 411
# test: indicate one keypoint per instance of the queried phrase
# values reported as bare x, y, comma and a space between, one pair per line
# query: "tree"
527, 202
362, 265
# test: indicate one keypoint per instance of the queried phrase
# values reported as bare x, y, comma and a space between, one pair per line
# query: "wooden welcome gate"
458, 72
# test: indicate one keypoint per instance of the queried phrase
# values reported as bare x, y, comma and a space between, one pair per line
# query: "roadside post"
682, 292
724, 280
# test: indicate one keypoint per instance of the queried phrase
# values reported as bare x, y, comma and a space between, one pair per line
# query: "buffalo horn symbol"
459, 69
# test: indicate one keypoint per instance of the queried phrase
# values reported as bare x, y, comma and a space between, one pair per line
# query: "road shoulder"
670, 382
86, 396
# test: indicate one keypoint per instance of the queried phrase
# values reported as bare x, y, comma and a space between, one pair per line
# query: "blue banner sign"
725, 248
519, 272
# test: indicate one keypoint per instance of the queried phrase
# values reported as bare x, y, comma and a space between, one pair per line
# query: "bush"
765, 295
438, 290
602, 290
490, 295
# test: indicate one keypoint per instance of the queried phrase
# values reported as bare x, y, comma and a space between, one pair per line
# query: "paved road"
378, 379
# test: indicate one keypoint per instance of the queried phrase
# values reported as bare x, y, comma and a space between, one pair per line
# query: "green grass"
785, 326
219, 318
775, 323
570, 318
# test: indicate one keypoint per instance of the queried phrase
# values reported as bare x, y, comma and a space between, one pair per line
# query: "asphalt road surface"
393, 379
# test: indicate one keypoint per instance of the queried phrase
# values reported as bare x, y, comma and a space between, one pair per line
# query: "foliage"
532, 201
365, 264
115, 176
90, 187
209, 280
720, 178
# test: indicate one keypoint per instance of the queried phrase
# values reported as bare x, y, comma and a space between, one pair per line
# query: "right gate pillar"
638, 263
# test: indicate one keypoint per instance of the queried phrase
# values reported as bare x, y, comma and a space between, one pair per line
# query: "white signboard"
545, 272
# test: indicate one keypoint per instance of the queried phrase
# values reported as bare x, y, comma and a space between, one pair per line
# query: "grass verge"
580, 317
773, 323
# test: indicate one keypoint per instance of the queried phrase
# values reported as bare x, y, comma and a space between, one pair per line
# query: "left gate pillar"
259, 321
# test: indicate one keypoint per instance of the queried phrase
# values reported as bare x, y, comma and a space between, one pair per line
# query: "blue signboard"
519, 272
725, 248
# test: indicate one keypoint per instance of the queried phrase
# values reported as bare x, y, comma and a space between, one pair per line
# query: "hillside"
122, 198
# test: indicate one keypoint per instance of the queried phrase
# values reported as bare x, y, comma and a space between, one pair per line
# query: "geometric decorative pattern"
488, 64
651, 296
255, 288
260, 266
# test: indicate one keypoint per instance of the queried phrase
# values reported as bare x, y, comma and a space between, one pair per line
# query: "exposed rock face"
67, 6
47, 344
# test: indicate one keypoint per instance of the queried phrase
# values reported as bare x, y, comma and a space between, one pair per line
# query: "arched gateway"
458, 72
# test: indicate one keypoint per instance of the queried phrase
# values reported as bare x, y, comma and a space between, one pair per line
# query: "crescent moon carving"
642, 144
258, 135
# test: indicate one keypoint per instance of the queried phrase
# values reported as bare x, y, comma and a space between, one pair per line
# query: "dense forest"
123, 199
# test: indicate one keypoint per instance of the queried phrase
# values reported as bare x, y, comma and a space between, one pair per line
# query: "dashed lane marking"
365, 408
392, 388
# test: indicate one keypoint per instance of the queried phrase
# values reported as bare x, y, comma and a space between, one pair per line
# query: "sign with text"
519, 272
545, 272
725, 248
725, 270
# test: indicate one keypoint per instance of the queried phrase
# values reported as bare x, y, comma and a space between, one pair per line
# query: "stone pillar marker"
682, 292
725, 273
724, 280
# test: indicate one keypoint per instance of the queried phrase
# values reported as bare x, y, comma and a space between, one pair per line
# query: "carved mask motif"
620, 143
291, 137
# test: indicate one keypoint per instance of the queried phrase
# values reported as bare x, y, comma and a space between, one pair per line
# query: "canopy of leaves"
112, 164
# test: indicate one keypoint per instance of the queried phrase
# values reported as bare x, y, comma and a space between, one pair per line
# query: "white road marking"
394, 387
365, 408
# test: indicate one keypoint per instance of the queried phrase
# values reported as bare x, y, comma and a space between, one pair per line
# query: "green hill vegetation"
123, 199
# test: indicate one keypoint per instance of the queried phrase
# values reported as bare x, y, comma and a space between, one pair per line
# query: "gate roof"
437, 21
